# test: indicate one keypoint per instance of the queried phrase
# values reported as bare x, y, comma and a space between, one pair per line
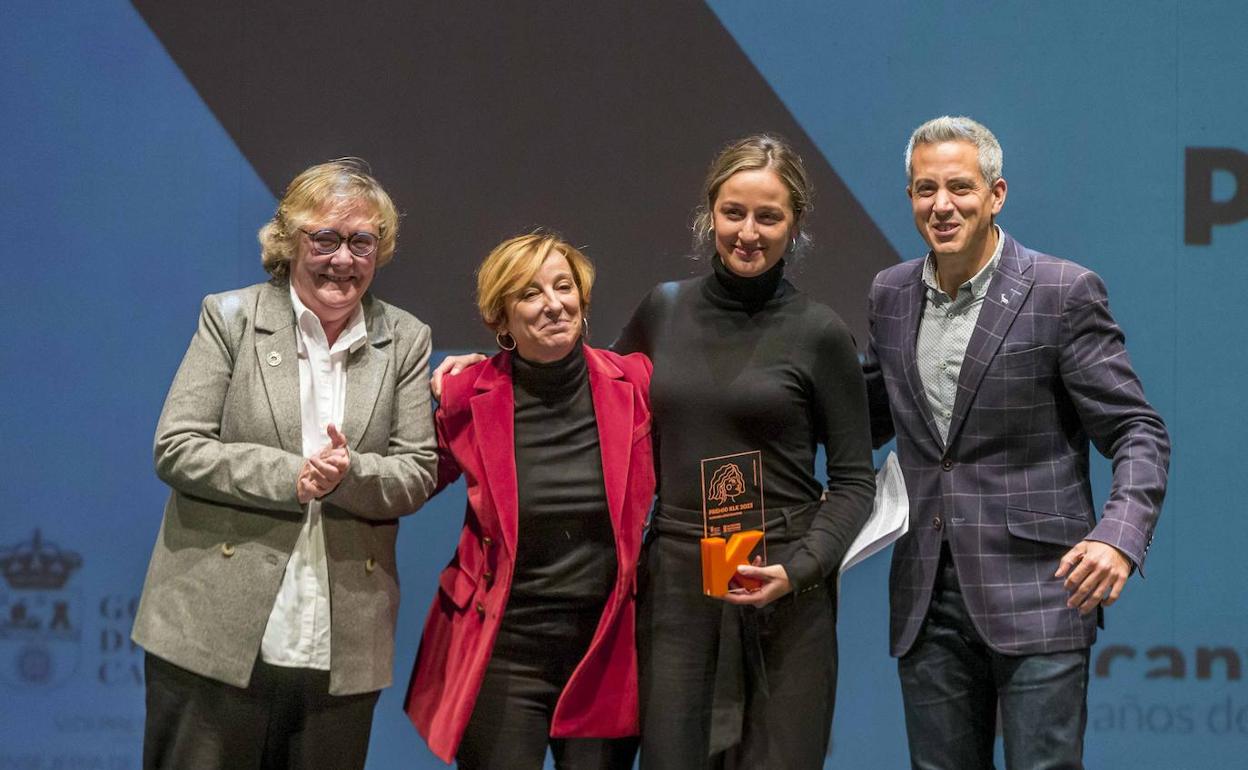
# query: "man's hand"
323, 471
1095, 574
451, 365
775, 583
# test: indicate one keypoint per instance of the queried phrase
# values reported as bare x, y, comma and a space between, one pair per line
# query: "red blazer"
475, 424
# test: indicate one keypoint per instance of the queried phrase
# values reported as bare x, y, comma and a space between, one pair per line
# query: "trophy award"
733, 520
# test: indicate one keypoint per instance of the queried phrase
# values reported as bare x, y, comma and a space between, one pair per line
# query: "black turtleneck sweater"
743, 364
565, 557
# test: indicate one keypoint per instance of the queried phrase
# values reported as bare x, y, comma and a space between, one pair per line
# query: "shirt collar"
352, 337
978, 284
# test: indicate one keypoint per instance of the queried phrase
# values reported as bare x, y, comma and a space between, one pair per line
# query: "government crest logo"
40, 616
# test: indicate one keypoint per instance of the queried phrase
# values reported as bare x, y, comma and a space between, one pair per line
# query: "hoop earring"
585, 327
793, 245
500, 336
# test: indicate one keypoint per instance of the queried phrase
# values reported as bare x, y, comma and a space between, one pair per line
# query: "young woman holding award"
750, 377
748, 372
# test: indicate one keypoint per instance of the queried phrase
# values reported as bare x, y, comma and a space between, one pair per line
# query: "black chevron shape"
486, 119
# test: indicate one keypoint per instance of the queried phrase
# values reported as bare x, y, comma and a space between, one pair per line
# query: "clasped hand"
323, 471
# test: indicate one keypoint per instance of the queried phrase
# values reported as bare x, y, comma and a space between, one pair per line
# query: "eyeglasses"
329, 241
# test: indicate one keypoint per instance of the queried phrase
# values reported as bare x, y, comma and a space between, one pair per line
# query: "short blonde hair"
751, 153
514, 262
341, 182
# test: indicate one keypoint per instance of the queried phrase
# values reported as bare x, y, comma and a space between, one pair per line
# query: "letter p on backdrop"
1201, 211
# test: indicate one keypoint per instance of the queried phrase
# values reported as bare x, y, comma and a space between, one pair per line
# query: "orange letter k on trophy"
721, 558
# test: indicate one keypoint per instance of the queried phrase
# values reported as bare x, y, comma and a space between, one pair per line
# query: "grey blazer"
229, 444
1046, 374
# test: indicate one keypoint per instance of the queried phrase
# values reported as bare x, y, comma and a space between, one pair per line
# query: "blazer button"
937, 522
947, 464
370, 564
227, 550
480, 609
488, 576
487, 542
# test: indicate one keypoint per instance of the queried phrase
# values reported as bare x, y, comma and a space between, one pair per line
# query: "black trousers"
535, 653
788, 675
285, 718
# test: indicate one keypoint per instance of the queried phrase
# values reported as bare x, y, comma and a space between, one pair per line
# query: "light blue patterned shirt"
944, 332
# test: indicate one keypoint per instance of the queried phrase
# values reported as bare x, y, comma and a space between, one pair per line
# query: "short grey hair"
950, 128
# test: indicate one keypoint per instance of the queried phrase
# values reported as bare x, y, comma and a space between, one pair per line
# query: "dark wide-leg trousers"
284, 719
789, 686
952, 684
528, 669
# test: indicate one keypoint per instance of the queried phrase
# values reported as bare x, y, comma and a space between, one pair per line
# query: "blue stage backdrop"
145, 143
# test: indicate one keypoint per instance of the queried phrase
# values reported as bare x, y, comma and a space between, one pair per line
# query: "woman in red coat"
529, 642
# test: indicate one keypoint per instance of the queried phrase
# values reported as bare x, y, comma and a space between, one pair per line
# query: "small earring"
500, 336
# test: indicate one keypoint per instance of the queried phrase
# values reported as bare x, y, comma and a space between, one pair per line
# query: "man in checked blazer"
995, 366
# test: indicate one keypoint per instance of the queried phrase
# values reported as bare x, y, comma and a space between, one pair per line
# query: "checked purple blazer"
1045, 373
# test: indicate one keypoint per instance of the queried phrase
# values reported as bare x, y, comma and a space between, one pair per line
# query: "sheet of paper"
890, 516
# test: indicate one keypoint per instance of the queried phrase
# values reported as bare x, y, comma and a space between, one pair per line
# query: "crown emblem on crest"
37, 563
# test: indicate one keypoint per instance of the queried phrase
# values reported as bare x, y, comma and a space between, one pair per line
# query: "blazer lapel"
278, 361
494, 426
1006, 292
366, 371
914, 303
613, 409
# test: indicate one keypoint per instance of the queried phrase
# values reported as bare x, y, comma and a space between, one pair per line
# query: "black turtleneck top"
565, 557
744, 364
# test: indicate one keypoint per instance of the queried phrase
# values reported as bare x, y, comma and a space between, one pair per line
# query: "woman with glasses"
529, 642
296, 432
